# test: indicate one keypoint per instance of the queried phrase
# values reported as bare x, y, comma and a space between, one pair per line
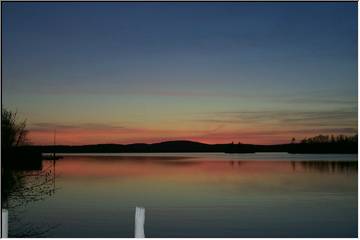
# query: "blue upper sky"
195, 58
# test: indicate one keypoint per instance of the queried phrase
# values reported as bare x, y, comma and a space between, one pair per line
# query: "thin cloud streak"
43, 126
339, 116
295, 98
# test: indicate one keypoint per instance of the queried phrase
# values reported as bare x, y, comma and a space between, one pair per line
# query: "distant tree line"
330, 139
326, 144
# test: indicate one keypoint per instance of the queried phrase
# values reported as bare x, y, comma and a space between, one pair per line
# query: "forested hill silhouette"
169, 146
318, 144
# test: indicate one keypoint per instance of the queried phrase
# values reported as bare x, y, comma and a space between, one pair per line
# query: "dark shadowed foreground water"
200, 195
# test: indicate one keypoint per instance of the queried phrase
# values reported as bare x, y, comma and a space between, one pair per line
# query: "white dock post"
139, 222
4, 223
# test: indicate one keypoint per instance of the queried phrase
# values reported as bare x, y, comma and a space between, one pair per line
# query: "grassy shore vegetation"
23, 177
13, 130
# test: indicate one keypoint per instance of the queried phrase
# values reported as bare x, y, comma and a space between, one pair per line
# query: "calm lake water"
198, 195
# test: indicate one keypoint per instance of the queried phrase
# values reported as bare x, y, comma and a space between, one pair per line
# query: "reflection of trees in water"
178, 163
22, 188
234, 163
328, 166
318, 166
30, 186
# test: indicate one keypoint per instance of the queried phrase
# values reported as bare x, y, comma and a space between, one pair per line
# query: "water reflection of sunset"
155, 166
183, 192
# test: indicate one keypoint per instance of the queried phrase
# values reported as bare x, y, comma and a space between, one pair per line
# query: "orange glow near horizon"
137, 135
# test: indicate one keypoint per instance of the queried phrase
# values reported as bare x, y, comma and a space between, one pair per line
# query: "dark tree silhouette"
330, 139
23, 179
326, 144
13, 131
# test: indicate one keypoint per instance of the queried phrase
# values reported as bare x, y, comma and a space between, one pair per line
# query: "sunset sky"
209, 72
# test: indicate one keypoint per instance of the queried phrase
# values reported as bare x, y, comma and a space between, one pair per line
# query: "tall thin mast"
54, 141
54, 161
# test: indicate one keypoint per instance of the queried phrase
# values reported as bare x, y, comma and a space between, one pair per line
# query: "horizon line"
180, 140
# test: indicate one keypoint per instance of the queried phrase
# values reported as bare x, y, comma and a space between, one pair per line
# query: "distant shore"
190, 146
